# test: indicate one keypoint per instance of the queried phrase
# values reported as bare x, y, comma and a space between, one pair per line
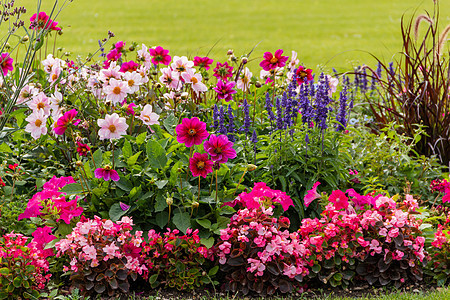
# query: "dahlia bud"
258, 84
230, 52
195, 204
184, 95
169, 201
251, 167
244, 60
79, 163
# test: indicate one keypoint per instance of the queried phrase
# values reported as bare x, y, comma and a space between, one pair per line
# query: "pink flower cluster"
93, 241
441, 186
267, 242
16, 253
262, 195
51, 202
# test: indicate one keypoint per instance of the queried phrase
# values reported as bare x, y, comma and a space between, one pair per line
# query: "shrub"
177, 261
103, 255
23, 267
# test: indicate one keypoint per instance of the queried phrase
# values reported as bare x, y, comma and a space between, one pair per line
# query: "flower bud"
154, 73
169, 201
251, 167
79, 163
230, 52
258, 84
25, 39
244, 60
195, 204
184, 95
158, 85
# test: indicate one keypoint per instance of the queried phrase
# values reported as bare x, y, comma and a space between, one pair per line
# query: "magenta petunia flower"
191, 132
160, 56
200, 165
223, 71
6, 63
225, 90
339, 199
272, 61
311, 195
64, 121
220, 148
203, 62
303, 75
107, 173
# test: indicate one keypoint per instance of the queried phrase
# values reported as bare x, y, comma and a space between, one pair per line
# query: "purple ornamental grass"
341, 116
222, 128
231, 128
247, 121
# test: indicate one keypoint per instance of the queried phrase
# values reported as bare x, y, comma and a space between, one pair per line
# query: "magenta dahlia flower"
272, 61
220, 148
160, 56
6, 63
64, 121
129, 66
43, 20
200, 165
339, 199
107, 173
303, 75
203, 62
225, 90
191, 132
223, 71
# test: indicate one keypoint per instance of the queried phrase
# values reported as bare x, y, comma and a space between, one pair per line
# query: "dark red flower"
83, 149
273, 61
200, 165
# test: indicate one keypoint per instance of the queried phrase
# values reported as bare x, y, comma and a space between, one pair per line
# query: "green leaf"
4, 271
182, 221
17, 282
209, 242
161, 219
5, 148
133, 159
153, 278
316, 268
127, 151
156, 154
116, 212
161, 183
170, 123
72, 189
213, 271
98, 158
140, 139
124, 184
205, 223
160, 203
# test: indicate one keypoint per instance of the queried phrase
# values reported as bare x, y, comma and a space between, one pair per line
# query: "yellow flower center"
273, 60
54, 77
192, 132
194, 80
117, 90
40, 105
112, 128
38, 123
200, 165
130, 82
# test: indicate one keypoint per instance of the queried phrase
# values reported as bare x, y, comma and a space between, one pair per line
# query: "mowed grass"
329, 33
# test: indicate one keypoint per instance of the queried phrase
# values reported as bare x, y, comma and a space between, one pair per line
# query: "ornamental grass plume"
191, 132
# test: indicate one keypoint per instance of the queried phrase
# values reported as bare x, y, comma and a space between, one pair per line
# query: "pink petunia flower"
6, 63
191, 132
339, 199
200, 165
311, 195
160, 55
220, 148
273, 61
112, 127
107, 173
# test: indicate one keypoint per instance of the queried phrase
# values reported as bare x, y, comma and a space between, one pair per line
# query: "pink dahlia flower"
64, 121
220, 148
6, 63
160, 56
272, 61
191, 132
107, 173
200, 165
112, 127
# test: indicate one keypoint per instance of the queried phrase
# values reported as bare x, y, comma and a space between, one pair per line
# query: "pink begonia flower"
311, 195
112, 127
37, 124
446, 197
219, 148
116, 90
147, 116
272, 61
195, 79
191, 132
110, 249
63, 122
107, 173
160, 55
90, 252
6, 63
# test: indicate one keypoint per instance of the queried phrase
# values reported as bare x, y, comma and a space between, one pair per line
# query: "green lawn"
331, 32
